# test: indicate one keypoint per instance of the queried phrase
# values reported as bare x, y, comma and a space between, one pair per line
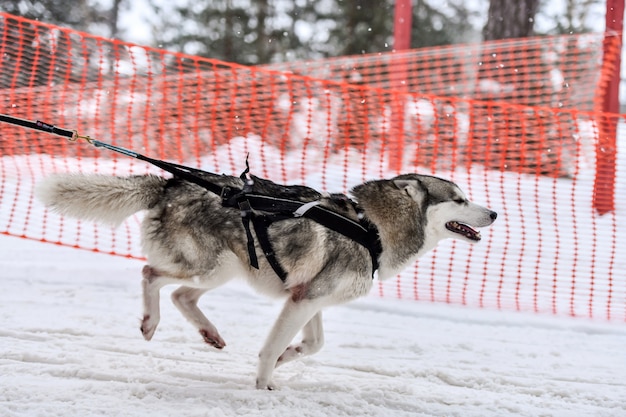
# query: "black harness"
257, 209
262, 210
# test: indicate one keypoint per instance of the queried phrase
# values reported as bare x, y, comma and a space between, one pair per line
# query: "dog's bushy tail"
103, 198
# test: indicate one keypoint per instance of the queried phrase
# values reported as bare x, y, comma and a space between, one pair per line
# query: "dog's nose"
493, 215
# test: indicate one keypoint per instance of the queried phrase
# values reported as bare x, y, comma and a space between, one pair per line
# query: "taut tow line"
182, 171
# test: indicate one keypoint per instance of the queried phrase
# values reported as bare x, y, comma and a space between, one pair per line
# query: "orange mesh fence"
558, 72
548, 252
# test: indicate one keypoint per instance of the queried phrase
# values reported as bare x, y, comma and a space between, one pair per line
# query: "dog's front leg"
294, 316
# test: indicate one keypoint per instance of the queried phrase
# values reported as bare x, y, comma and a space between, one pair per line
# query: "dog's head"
445, 208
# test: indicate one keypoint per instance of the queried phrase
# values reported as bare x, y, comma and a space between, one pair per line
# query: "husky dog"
192, 240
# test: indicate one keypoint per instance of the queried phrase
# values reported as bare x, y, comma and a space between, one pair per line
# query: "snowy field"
70, 346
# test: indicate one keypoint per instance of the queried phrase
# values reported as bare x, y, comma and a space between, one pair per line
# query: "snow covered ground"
70, 346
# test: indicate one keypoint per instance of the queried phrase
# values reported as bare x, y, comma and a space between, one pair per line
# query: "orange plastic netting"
516, 124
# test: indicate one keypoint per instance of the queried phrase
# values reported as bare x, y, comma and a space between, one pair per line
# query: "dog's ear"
412, 187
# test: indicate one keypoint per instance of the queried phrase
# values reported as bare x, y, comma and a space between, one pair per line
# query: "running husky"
192, 240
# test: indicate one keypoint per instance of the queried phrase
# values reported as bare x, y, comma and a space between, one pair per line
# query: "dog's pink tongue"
469, 232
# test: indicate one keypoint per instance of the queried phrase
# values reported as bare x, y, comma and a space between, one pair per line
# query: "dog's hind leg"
186, 300
152, 283
312, 341
295, 315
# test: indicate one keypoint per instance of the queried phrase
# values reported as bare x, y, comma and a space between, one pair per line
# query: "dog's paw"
212, 339
291, 353
148, 327
267, 385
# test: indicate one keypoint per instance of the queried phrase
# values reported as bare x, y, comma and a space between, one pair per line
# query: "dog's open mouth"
463, 230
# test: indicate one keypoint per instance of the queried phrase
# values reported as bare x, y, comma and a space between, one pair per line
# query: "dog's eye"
460, 201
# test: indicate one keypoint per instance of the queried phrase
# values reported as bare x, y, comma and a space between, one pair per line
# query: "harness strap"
363, 232
261, 226
246, 215
304, 208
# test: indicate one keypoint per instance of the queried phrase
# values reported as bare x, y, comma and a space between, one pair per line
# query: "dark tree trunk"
510, 19
264, 51
115, 17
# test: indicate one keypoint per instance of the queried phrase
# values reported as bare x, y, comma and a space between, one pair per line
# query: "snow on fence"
516, 124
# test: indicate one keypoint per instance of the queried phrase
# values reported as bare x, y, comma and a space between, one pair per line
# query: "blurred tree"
434, 25
40, 56
577, 16
361, 26
83, 15
264, 31
114, 17
230, 30
510, 19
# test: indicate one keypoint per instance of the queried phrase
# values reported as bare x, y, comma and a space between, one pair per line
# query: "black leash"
41, 126
249, 202
181, 171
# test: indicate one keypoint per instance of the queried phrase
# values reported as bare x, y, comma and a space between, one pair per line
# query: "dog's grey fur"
191, 240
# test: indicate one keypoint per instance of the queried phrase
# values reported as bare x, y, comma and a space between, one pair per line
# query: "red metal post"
606, 150
403, 15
